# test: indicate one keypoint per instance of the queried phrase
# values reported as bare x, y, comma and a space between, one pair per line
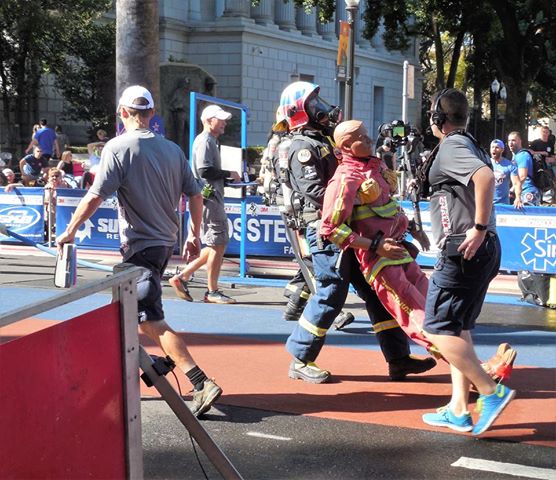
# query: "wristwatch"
480, 227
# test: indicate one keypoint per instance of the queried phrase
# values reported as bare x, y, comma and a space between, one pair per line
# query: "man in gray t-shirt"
207, 166
462, 185
149, 174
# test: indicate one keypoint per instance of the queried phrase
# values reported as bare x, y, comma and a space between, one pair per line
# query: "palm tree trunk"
137, 46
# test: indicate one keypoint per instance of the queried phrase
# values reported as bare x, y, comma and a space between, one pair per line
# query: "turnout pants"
334, 271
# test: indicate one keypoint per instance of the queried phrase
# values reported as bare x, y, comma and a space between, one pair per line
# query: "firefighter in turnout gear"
276, 190
312, 164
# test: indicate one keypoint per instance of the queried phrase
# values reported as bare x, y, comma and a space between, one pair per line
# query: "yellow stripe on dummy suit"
361, 212
382, 262
339, 234
386, 325
396, 297
305, 295
339, 203
316, 331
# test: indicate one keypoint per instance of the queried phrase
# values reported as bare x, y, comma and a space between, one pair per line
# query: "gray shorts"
215, 223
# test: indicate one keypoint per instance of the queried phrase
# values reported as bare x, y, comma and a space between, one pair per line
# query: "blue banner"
528, 237
266, 232
101, 231
22, 211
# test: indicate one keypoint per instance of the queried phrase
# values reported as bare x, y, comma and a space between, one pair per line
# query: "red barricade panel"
61, 400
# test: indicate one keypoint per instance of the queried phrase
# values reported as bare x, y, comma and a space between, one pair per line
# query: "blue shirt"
46, 138
523, 159
503, 170
36, 164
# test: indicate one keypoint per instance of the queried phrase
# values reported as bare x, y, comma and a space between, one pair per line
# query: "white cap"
213, 111
131, 94
8, 171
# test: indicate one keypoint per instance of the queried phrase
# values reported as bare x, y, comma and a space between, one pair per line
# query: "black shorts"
457, 289
149, 289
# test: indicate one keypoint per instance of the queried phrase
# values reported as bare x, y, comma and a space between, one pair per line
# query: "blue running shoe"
491, 406
443, 417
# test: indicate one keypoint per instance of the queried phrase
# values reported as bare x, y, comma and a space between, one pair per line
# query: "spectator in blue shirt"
33, 167
46, 138
526, 193
505, 172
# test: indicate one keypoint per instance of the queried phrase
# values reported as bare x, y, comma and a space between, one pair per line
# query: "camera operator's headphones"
438, 117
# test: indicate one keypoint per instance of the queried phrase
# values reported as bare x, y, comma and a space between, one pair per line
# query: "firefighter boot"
343, 320
294, 309
399, 369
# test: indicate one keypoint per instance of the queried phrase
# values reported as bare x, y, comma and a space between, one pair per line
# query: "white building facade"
255, 52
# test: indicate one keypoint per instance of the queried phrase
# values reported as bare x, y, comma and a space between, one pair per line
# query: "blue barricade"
528, 236
100, 231
22, 211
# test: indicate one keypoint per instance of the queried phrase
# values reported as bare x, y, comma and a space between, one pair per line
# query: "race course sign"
22, 211
528, 236
101, 231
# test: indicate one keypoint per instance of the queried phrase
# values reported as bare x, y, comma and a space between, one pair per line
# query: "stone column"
194, 10
327, 30
208, 10
360, 24
237, 8
284, 15
264, 12
306, 22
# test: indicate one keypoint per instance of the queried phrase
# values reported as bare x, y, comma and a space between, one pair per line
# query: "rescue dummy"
359, 203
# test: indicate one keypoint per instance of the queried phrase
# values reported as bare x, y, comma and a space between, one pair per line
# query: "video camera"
397, 130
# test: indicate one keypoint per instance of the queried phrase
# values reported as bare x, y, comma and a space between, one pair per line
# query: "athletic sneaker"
443, 417
180, 287
203, 399
218, 297
491, 406
309, 372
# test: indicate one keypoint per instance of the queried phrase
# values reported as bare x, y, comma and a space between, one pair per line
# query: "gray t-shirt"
149, 174
453, 207
206, 153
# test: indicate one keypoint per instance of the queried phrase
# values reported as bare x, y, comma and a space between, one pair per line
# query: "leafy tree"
514, 40
34, 36
86, 76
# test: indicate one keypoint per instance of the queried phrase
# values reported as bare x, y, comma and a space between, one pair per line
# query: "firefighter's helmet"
301, 104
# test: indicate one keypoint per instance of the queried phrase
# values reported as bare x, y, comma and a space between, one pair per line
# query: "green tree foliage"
37, 37
85, 74
513, 40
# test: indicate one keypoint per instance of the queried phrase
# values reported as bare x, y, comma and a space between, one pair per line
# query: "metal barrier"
78, 438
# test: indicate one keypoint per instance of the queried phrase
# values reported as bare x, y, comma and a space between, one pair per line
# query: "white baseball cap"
8, 171
214, 111
131, 94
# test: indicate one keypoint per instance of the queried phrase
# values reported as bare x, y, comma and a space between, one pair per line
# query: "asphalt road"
271, 445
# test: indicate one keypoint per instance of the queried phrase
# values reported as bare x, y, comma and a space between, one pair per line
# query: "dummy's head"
352, 136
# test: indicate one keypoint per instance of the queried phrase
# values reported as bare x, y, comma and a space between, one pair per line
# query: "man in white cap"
207, 166
149, 173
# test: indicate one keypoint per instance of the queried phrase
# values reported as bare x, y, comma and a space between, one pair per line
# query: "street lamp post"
495, 88
503, 95
352, 6
528, 101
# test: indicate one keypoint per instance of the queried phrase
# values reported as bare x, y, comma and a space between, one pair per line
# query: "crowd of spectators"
49, 162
